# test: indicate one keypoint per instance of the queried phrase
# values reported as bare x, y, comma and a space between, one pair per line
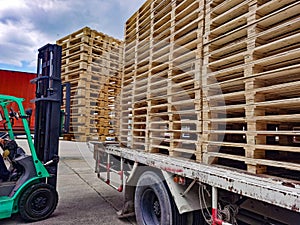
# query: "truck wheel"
38, 202
195, 218
153, 205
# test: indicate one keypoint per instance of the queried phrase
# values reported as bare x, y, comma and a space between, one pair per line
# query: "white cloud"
27, 25
17, 44
9, 4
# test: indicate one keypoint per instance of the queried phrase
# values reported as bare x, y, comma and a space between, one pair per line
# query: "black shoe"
14, 176
5, 178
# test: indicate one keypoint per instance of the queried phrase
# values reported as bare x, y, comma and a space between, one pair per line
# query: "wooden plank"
165, 19
185, 29
271, 6
230, 25
225, 6
236, 95
281, 14
279, 58
229, 49
227, 109
285, 103
276, 118
279, 44
180, 7
227, 156
237, 9
227, 131
280, 30
273, 163
283, 87
227, 144
187, 8
233, 72
279, 73
278, 147
236, 59
228, 37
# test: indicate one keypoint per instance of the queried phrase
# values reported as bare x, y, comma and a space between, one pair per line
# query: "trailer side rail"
272, 190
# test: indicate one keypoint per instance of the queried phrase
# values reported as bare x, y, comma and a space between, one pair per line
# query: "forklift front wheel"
38, 202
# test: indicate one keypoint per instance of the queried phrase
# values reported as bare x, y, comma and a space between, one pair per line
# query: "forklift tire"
153, 204
38, 202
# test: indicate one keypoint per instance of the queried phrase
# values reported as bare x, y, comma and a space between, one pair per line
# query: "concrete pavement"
83, 198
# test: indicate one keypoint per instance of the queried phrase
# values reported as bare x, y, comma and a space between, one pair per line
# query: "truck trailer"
209, 114
21, 89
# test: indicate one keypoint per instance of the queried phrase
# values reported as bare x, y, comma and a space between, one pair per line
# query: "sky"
27, 25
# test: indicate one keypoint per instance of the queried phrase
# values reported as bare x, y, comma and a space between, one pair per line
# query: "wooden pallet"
92, 63
217, 81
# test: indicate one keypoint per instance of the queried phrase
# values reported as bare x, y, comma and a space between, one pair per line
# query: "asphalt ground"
83, 198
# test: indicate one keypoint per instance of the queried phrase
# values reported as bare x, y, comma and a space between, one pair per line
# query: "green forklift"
31, 187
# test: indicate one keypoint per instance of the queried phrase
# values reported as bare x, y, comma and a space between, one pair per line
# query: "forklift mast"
48, 103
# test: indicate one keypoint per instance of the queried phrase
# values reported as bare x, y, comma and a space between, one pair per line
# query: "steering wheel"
3, 135
12, 116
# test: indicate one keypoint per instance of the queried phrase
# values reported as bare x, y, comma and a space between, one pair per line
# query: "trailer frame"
273, 190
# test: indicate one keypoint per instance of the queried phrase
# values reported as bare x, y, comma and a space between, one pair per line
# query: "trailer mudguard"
186, 197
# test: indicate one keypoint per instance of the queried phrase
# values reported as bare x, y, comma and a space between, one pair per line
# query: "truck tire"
38, 202
194, 218
153, 204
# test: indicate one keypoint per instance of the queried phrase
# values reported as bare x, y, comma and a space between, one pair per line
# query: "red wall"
18, 84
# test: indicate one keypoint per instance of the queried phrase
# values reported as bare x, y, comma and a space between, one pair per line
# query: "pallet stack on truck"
92, 63
251, 86
209, 114
161, 106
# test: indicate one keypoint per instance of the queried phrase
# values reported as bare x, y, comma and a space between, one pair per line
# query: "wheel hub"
156, 208
39, 203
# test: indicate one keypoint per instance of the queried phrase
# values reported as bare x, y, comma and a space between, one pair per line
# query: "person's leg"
4, 173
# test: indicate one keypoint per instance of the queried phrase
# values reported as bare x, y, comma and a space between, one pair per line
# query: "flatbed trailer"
202, 194
209, 114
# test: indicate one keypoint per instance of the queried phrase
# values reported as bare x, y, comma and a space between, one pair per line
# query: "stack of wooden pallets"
250, 82
92, 63
215, 80
161, 96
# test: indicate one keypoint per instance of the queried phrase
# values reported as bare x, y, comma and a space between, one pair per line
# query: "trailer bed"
277, 191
